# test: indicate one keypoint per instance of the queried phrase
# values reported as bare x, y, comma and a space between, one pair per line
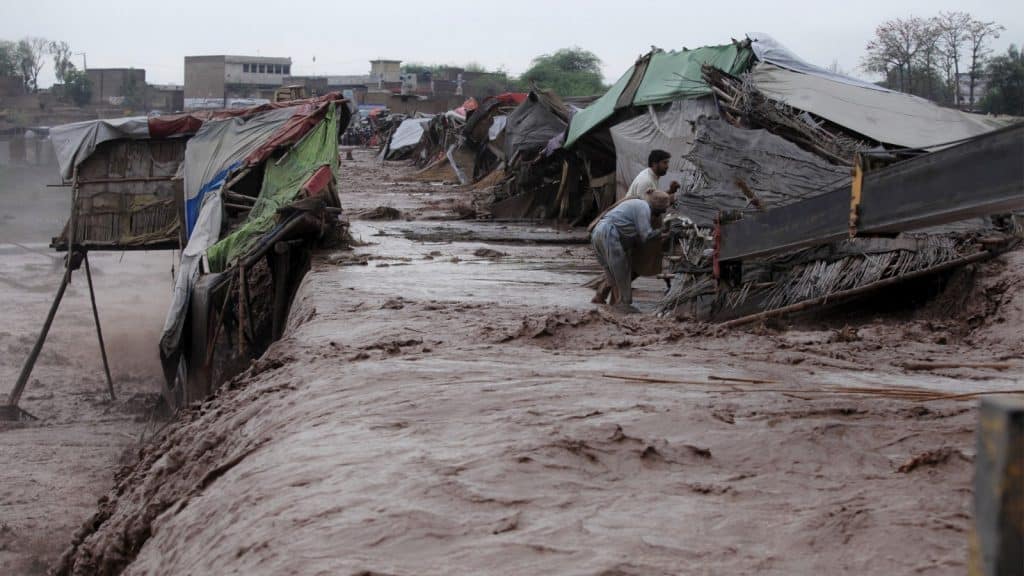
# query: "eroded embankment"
443, 409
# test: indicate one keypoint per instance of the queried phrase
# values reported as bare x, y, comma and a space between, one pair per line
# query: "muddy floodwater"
446, 400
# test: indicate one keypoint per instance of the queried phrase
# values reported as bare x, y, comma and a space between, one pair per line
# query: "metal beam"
977, 178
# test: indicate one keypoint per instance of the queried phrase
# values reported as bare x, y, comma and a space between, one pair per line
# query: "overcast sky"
343, 36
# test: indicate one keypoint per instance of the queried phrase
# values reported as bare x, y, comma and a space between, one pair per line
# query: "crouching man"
618, 233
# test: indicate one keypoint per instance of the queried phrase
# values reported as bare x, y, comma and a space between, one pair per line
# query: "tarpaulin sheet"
533, 123
73, 143
218, 149
282, 182
776, 171
408, 134
497, 127
669, 128
767, 49
668, 76
888, 117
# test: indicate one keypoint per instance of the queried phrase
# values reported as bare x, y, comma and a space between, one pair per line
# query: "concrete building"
166, 97
223, 76
386, 70
113, 86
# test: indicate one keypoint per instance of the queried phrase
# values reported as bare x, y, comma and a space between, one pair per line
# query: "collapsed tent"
752, 127
405, 137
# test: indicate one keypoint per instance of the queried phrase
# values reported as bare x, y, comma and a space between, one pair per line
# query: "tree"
9, 59
895, 48
1006, 85
62, 65
978, 35
77, 87
929, 49
134, 94
953, 28
569, 72
31, 51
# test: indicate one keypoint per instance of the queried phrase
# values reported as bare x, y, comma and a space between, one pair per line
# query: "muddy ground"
446, 400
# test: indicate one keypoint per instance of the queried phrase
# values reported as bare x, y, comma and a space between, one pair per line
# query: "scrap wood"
945, 365
930, 458
652, 380
747, 380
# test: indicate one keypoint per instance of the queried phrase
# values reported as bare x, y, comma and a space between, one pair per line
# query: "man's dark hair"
657, 156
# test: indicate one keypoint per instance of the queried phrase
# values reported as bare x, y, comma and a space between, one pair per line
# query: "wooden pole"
99, 330
26, 369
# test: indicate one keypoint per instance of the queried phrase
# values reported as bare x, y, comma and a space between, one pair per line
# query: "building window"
263, 68
245, 68
288, 69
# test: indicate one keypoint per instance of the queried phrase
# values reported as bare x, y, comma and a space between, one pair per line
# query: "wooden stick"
653, 380
841, 295
944, 365
747, 380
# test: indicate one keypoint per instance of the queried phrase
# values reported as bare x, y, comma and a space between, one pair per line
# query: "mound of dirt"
984, 303
380, 213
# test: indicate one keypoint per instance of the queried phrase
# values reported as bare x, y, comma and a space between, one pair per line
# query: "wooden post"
997, 538
99, 331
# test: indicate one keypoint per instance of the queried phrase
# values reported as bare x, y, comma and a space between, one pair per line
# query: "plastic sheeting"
534, 123
282, 182
769, 50
669, 128
497, 126
408, 134
776, 171
211, 156
888, 117
73, 143
217, 150
668, 76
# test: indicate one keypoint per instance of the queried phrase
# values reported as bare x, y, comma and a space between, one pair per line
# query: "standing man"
657, 166
618, 233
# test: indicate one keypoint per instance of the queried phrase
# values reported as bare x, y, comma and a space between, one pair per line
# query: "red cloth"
189, 123
318, 182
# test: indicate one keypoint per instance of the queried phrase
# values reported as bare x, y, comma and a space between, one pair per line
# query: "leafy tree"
953, 28
134, 94
9, 59
417, 68
895, 48
31, 52
569, 72
978, 35
62, 65
77, 87
1006, 86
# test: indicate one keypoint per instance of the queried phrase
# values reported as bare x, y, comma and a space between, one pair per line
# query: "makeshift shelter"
752, 127
205, 183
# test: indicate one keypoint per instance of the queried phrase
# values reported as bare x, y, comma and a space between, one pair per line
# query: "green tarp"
281, 184
669, 76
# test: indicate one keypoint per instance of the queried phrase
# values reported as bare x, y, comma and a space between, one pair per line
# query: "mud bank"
460, 407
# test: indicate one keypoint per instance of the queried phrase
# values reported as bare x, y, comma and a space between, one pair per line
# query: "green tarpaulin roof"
282, 182
668, 76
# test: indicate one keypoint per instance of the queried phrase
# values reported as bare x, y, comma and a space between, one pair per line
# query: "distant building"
963, 86
208, 78
166, 97
386, 70
115, 86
